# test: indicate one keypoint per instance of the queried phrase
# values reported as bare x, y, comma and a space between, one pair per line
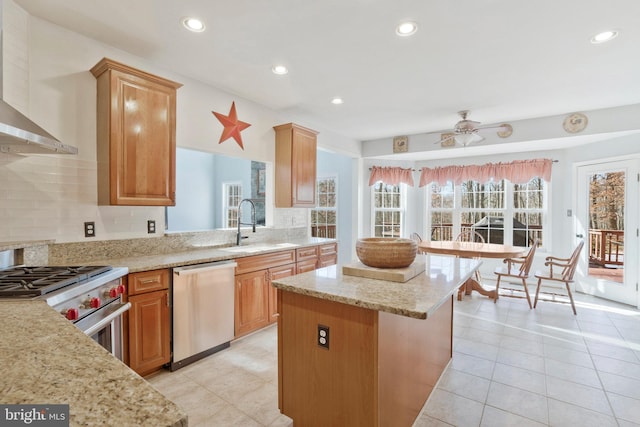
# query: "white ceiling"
505, 60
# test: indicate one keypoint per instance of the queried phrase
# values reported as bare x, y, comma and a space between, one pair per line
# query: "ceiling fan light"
465, 139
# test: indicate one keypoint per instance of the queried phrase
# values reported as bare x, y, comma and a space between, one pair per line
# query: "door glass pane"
606, 225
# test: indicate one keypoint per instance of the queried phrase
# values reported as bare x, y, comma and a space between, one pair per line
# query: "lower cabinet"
327, 255
256, 300
148, 321
251, 302
275, 274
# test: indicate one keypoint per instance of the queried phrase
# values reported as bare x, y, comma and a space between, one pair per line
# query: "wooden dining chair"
469, 236
517, 268
565, 268
416, 238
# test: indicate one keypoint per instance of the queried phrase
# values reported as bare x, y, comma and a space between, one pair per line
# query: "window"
323, 216
232, 195
528, 210
483, 207
388, 209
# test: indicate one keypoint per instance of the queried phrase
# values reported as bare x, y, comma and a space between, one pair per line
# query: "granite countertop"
201, 255
418, 297
44, 359
7, 246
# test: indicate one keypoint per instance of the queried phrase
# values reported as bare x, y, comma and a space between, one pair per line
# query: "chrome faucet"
253, 219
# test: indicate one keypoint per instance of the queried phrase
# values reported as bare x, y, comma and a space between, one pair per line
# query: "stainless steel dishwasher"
203, 304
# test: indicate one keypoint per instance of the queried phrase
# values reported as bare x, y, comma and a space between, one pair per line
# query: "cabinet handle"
147, 281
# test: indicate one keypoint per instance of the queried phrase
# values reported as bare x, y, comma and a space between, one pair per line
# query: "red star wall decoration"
232, 126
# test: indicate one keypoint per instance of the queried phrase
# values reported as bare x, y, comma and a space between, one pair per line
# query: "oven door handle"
107, 319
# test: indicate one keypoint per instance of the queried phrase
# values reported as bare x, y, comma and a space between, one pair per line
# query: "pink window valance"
391, 175
518, 172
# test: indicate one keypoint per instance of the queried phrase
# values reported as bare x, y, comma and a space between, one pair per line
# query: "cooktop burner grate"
35, 281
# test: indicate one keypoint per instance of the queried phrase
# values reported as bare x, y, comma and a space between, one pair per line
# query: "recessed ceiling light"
193, 24
279, 69
406, 29
604, 36
337, 101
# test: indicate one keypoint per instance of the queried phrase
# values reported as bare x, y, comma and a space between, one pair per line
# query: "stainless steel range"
90, 297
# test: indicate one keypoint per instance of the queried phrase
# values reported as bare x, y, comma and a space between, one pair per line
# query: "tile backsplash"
52, 196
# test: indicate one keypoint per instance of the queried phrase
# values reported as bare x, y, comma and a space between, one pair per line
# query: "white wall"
51, 196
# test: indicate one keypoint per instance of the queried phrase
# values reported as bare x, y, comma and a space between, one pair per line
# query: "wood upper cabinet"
136, 133
295, 167
148, 321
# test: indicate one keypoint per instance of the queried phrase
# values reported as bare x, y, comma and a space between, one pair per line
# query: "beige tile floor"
511, 367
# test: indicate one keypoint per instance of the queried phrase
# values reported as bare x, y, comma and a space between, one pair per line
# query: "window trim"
326, 209
225, 198
402, 209
508, 212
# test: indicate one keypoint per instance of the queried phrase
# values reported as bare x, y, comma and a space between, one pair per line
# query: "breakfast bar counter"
365, 352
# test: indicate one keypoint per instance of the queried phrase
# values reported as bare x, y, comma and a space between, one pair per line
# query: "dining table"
472, 250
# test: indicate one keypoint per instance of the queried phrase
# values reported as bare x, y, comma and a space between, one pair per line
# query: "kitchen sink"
259, 247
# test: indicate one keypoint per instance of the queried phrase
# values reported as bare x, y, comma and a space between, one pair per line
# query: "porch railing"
328, 231
442, 232
606, 247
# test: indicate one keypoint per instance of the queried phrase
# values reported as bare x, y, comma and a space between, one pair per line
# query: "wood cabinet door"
251, 302
149, 329
303, 168
136, 135
275, 274
143, 145
295, 166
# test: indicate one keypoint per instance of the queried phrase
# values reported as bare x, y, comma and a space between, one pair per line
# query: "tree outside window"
323, 216
483, 207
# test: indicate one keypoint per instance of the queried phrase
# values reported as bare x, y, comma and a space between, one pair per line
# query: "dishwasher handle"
199, 268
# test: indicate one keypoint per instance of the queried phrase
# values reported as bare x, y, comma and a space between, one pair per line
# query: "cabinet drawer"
327, 260
304, 266
303, 254
282, 272
261, 262
147, 281
328, 249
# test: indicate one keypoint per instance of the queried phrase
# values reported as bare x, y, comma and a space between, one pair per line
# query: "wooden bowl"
386, 252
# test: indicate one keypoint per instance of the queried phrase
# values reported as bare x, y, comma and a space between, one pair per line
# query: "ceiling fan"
465, 132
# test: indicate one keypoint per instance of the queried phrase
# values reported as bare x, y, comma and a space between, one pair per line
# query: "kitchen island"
44, 359
364, 352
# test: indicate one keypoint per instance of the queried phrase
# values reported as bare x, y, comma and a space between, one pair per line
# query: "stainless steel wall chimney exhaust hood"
18, 134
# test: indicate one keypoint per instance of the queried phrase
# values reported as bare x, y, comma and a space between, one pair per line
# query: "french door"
607, 220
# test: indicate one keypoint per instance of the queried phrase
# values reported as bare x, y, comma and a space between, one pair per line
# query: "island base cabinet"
378, 369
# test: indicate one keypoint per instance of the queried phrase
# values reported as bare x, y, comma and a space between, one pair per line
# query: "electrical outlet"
89, 229
151, 226
323, 336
